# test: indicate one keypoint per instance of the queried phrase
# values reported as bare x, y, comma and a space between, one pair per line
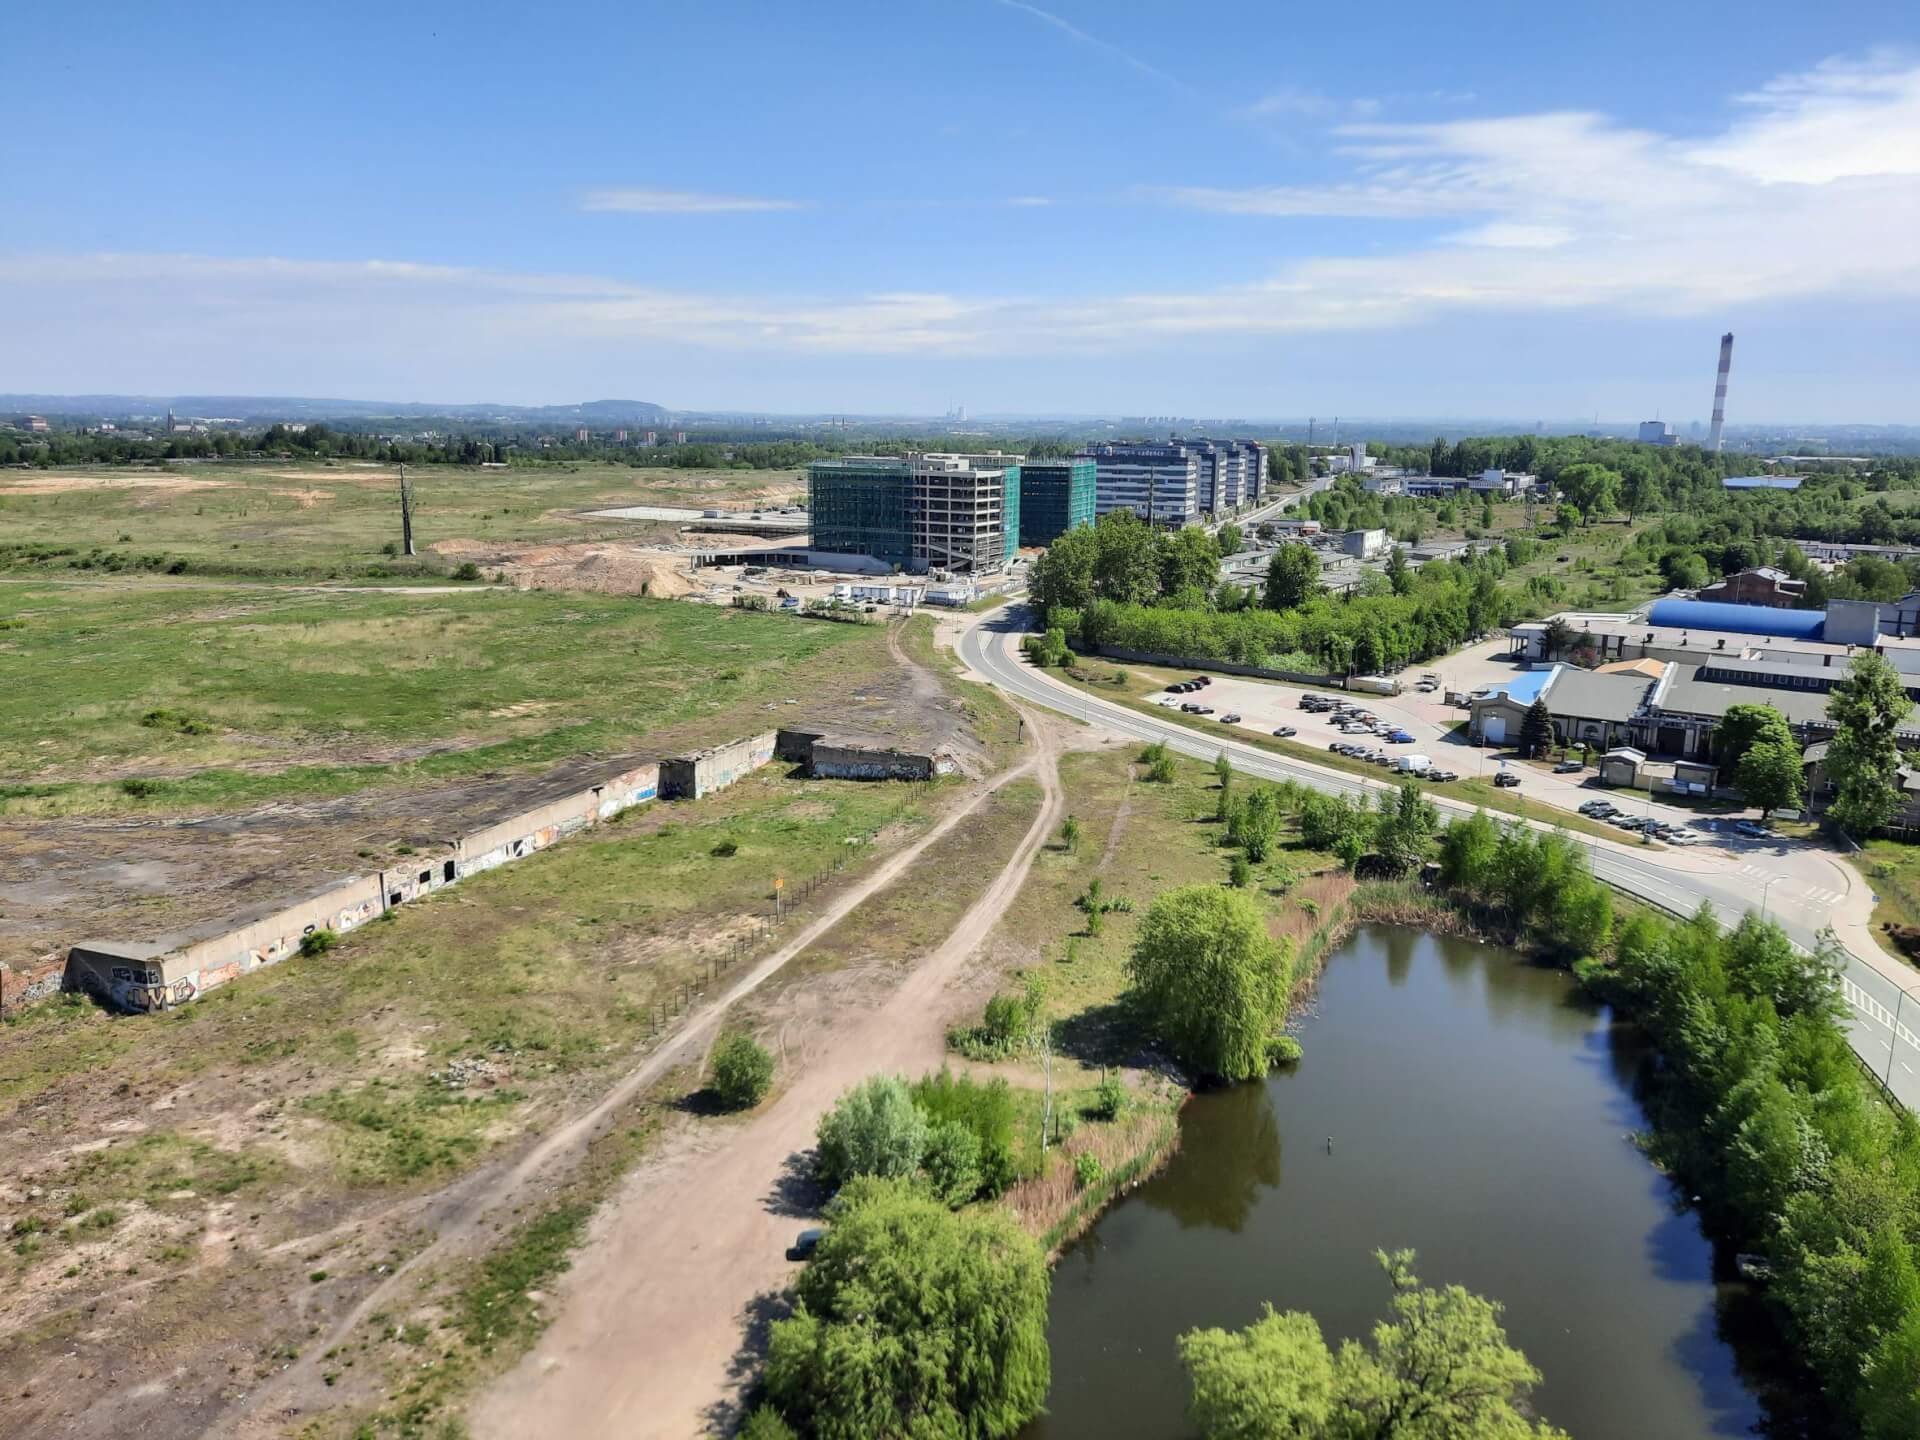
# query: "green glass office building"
1055, 497
861, 506
958, 513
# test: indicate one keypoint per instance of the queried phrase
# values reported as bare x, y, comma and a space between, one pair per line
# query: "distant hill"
293, 407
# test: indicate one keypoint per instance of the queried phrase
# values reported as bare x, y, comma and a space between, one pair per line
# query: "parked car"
1230, 718
1399, 737
1506, 780
1568, 767
1203, 709
1202, 681
1599, 809
1443, 775
1682, 837
1338, 747
1753, 828
805, 1243
1286, 732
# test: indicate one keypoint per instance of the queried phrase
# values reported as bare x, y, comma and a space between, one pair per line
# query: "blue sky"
1264, 209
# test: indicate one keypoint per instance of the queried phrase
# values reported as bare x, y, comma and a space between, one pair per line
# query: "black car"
1285, 731
1506, 780
805, 1243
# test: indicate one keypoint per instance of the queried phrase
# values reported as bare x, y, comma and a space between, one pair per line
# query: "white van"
1412, 764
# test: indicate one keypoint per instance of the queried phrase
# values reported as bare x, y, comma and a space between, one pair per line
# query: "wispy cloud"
1810, 191
1106, 47
1028, 202
680, 202
1291, 102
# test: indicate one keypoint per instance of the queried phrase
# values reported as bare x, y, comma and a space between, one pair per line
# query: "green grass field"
231, 695
318, 519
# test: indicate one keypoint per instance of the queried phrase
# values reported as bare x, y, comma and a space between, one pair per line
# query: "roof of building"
1627, 752
1652, 669
1763, 482
1525, 688
1589, 695
1681, 694
1738, 619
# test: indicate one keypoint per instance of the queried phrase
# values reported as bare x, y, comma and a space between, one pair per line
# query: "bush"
1110, 1097
1087, 1169
765, 1424
875, 1129
318, 942
726, 849
1209, 979
912, 1320
985, 1109
741, 1072
466, 570
952, 1162
1283, 1050
1240, 873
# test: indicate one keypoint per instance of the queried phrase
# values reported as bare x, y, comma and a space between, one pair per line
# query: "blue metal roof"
1740, 619
1762, 482
1523, 688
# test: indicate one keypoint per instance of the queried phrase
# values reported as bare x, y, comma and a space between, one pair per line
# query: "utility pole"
406, 514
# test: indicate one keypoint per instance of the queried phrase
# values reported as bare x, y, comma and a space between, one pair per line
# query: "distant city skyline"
1124, 208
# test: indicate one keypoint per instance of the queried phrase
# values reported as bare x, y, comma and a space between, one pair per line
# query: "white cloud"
679, 202
1291, 102
1028, 202
1810, 192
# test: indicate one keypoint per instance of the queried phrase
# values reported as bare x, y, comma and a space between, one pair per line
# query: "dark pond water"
1479, 1111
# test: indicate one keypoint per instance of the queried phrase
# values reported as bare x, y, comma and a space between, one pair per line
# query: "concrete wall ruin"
169, 971
688, 777
846, 757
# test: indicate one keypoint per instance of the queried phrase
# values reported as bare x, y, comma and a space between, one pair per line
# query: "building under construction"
919, 512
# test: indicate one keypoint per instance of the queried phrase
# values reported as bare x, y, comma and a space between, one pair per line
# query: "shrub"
985, 1109
741, 1073
1110, 1097
466, 570
1240, 872
1087, 1169
726, 849
765, 1424
952, 1162
177, 721
875, 1129
1283, 1050
1209, 979
912, 1320
318, 942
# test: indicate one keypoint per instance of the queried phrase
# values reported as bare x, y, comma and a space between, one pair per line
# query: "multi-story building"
1055, 496
1657, 432
1159, 482
920, 512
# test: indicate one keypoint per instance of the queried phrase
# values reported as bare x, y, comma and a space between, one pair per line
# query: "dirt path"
682, 1263
465, 1215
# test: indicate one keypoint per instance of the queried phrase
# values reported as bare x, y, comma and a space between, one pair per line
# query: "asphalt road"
1884, 1013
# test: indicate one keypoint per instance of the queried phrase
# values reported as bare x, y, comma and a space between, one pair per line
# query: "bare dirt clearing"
116, 480
611, 569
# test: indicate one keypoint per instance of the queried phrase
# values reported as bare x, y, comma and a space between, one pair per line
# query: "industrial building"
1758, 585
1657, 432
919, 512
1055, 496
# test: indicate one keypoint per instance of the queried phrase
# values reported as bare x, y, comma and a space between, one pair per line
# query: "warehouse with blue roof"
1679, 614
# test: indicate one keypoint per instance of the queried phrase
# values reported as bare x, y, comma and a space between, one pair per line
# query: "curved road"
1883, 995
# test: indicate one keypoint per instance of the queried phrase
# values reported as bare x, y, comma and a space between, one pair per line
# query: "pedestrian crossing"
1812, 897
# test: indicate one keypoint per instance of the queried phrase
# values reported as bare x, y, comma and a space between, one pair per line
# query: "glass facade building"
862, 506
1055, 497
920, 512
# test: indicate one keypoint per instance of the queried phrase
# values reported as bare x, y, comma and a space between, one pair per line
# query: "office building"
1055, 496
1158, 481
919, 512
1657, 432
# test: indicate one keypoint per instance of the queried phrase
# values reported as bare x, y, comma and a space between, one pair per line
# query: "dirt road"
465, 1216
654, 1310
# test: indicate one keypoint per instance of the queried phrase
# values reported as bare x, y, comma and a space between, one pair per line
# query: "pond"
1480, 1112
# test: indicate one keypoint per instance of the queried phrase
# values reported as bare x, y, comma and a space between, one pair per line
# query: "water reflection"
1231, 1148
1481, 1114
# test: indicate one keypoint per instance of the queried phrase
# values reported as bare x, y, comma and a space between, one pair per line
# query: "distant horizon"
50, 403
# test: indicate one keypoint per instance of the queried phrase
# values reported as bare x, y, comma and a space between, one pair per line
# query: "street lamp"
1763, 893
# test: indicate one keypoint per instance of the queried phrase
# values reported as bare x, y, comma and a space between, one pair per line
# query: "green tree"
1399, 573
1439, 1369
1189, 562
1070, 835
874, 1129
1744, 726
1867, 709
911, 1320
1209, 979
1770, 776
741, 1073
1293, 577
1536, 730
1591, 489
1270, 1381
1405, 829
1062, 578
1126, 565
1339, 825
1228, 539
1559, 638
984, 1108
1255, 826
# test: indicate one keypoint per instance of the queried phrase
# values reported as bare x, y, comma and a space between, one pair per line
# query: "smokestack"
1720, 392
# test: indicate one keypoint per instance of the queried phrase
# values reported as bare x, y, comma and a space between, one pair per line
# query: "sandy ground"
685, 1263
66, 484
607, 568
